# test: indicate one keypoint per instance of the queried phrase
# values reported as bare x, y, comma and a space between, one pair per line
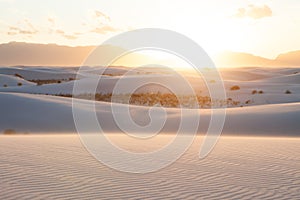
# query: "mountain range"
20, 53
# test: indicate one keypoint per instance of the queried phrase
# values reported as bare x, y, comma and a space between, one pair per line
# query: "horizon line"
94, 46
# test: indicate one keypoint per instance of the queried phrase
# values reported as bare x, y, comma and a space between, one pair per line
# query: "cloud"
99, 14
104, 29
102, 23
24, 27
73, 36
60, 32
15, 31
70, 37
254, 11
52, 21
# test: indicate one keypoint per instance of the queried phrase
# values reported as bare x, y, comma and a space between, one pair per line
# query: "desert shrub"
254, 91
48, 81
235, 87
9, 132
248, 101
18, 75
20, 84
152, 99
288, 92
4, 85
260, 92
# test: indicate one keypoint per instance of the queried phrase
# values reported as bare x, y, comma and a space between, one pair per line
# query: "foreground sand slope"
59, 167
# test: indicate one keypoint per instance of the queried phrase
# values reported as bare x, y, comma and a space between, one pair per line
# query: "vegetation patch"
9, 132
235, 87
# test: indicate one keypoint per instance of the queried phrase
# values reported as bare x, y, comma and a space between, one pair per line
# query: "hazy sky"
263, 27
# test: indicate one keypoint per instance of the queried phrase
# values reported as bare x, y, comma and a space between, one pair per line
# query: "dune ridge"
40, 113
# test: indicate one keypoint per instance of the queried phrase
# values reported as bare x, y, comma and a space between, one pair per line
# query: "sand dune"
243, 75
10, 80
39, 113
59, 167
261, 161
54, 114
36, 73
273, 83
107, 85
287, 79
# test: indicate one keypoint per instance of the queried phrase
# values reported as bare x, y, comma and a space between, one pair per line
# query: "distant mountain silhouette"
20, 53
288, 59
238, 59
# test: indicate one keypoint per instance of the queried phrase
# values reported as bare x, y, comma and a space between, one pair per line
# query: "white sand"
42, 73
45, 166
274, 82
59, 167
13, 81
41, 113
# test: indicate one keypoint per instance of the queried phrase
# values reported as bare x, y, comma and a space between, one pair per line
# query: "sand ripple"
58, 167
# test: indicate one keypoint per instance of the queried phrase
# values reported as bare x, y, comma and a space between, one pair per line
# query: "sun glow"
153, 58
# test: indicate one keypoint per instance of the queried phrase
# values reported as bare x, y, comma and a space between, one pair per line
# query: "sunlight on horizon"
153, 58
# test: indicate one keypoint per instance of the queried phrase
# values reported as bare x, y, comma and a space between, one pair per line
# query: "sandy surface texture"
59, 167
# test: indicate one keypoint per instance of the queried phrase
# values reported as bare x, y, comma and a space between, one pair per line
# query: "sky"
263, 27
